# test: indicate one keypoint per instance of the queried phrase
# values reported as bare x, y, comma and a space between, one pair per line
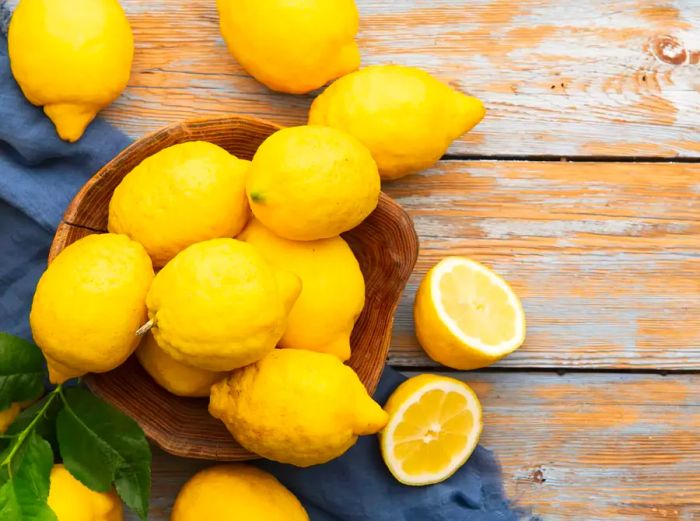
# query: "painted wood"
606, 256
594, 447
558, 77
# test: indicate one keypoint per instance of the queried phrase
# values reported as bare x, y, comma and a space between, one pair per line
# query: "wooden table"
582, 187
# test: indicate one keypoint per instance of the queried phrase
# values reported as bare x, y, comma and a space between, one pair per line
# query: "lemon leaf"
100, 446
22, 370
24, 479
41, 417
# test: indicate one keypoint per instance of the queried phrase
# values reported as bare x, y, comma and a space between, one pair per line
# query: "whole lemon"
73, 58
183, 194
296, 406
89, 303
292, 47
218, 305
236, 492
72, 501
309, 183
332, 294
176, 377
403, 115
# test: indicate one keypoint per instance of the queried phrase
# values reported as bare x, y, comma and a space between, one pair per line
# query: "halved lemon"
466, 316
434, 426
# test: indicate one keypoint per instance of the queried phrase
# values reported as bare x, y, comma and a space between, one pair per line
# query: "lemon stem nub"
145, 328
256, 197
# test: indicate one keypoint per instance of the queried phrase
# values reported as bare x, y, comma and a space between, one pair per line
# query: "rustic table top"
582, 187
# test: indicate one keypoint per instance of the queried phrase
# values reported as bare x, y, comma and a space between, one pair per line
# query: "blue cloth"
39, 174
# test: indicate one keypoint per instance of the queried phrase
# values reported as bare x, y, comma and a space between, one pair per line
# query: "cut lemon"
434, 426
466, 316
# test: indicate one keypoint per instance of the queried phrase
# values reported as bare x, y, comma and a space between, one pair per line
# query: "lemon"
292, 47
403, 115
89, 303
236, 492
466, 316
73, 58
184, 194
218, 305
296, 406
434, 426
72, 501
176, 377
8, 416
332, 294
310, 183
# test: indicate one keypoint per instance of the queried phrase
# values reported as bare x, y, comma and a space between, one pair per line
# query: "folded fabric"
39, 174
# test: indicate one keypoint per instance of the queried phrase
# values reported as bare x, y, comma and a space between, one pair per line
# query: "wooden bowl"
385, 245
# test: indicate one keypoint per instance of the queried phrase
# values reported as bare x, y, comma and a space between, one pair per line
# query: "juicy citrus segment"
434, 425
478, 305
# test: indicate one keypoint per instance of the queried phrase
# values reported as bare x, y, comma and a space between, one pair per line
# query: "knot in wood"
669, 49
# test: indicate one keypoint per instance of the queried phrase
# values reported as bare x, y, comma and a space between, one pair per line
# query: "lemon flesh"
236, 492
434, 426
73, 58
403, 115
72, 501
466, 316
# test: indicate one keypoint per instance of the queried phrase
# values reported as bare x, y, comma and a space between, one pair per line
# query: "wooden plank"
605, 256
558, 77
573, 447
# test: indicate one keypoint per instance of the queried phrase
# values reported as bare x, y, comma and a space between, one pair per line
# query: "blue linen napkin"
39, 174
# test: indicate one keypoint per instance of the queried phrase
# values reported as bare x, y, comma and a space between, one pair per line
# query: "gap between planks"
569, 159
545, 370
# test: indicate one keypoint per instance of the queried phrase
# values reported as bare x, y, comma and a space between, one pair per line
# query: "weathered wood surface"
577, 447
605, 256
559, 77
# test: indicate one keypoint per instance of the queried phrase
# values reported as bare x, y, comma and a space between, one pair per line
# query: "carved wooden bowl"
385, 244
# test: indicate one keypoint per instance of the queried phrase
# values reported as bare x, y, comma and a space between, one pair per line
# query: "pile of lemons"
229, 278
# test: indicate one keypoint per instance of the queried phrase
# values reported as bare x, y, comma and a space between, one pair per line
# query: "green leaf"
25, 477
44, 426
22, 370
100, 445
9, 507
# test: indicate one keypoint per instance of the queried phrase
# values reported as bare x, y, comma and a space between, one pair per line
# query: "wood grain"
606, 256
573, 447
558, 77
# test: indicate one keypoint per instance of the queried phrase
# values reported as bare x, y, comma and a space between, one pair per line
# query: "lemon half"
434, 426
466, 316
